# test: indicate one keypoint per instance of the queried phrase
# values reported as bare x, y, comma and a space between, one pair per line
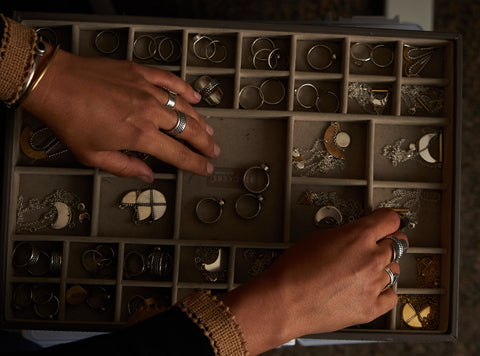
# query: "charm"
396, 154
416, 59
63, 209
320, 161
149, 205
372, 101
333, 211
212, 263
34, 146
419, 98
420, 311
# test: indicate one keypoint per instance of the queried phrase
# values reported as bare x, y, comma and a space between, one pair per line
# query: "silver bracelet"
40, 50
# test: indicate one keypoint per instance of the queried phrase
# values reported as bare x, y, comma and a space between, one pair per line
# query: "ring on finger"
172, 98
399, 247
180, 125
393, 279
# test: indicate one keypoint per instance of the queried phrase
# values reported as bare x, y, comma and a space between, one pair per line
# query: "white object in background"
420, 12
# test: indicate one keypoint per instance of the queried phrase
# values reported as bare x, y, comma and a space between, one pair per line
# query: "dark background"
460, 16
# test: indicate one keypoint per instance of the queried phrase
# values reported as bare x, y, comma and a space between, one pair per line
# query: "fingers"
176, 153
380, 223
193, 133
121, 165
169, 80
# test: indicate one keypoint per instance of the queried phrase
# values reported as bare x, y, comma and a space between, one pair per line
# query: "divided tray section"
345, 123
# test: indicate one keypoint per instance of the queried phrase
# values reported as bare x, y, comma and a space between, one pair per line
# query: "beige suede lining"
216, 321
17, 54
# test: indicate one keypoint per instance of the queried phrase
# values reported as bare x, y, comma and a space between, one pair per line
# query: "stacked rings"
159, 48
364, 52
208, 49
180, 125
308, 96
271, 91
209, 89
393, 279
266, 55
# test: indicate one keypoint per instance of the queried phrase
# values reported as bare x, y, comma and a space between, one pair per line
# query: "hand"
329, 280
99, 106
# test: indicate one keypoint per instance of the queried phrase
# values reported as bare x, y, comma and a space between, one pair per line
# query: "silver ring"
151, 52
209, 89
243, 97
272, 101
298, 93
107, 50
399, 247
329, 93
213, 56
247, 199
360, 60
250, 177
257, 57
159, 262
136, 303
180, 125
41, 267
31, 255
91, 264
52, 307
254, 44
172, 55
330, 54
172, 98
51, 37
134, 271
41, 294
278, 59
393, 279
204, 204
382, 65
196, 40
56, 261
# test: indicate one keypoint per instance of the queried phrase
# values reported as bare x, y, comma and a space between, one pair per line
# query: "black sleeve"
167, 333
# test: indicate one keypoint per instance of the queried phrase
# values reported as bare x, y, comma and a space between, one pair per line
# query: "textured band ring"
24, 254
209, 89
243, 202
41, 267
204, 205
315, 51
159, 262
393, 278
180, 125
399, 247
172, 98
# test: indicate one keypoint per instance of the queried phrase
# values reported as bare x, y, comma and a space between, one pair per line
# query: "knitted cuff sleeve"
17, 54
216, 321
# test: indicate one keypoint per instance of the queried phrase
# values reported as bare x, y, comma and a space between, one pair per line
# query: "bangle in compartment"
107, 41
209, 210
248, 206
322, 52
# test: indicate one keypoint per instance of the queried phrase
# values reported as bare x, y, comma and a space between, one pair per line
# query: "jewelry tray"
249, 138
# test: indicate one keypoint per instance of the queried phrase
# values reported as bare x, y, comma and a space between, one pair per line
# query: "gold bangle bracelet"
40, 76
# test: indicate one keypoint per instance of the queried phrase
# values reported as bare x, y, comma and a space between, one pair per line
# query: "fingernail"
209, 129
210, 168
216, 150
197, 95
145, 179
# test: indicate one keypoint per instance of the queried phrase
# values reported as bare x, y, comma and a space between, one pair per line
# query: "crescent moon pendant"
423, 145
64, 215
328, 212
215, 266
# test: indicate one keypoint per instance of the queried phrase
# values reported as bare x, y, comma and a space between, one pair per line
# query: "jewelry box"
318, 126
